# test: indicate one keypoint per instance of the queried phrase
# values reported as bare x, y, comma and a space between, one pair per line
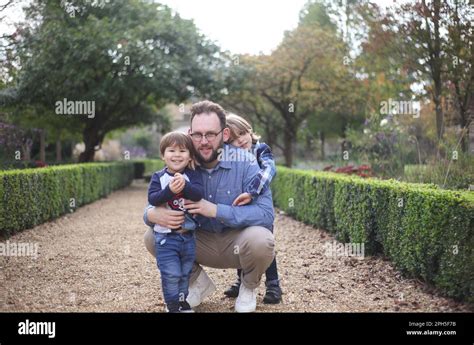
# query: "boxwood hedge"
32, 196
427, 232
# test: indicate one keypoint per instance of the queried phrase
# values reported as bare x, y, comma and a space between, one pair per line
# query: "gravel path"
94, 260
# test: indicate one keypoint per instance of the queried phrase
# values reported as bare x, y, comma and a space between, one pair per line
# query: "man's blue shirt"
232, 176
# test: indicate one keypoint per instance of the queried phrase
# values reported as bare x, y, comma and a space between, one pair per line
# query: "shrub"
32, 196
362, 171
426, 231
454, 174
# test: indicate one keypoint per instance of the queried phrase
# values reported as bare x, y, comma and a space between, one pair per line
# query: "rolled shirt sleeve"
259, 212
145, 217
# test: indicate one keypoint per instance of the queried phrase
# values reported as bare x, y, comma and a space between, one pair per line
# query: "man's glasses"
211, 136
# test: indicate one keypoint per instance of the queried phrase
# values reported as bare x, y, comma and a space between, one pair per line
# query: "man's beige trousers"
251, 249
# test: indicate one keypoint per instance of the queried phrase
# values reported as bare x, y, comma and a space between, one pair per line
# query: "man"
230, 236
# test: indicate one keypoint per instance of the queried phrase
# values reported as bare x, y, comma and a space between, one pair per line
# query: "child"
242, 135
175, 249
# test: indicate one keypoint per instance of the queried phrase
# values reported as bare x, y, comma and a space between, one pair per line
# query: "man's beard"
214, 155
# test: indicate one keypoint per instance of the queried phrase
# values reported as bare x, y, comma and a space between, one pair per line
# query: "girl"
242, 135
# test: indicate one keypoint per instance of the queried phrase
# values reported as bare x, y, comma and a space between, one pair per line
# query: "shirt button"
228, 192
210, 195
209, 177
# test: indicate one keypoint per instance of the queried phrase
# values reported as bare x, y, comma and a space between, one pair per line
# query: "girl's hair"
238, 124
178, 139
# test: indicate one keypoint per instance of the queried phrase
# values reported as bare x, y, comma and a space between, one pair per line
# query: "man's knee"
149, 239
259, 243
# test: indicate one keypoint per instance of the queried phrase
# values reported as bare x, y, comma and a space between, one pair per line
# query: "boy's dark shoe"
273, 293
184, 307
233, 291
173, 307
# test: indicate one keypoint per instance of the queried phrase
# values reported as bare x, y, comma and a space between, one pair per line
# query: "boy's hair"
208, 107
238, 124
177, 138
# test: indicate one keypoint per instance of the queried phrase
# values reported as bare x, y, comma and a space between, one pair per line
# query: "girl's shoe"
233, 291
273, 294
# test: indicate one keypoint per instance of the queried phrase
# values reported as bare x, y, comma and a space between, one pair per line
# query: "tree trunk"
466, 112
468, 123
323, 139
58, 151
87, 155
436, 70
26, 151
439, 111
91, 140
465, 141
288, 148
464, 133
269, 138
26, 148
71, 150
42, 146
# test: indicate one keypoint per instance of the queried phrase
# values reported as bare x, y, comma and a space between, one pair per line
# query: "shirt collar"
226, 164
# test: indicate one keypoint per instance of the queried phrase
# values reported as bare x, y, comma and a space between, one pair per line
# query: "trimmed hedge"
427, 232
32, 196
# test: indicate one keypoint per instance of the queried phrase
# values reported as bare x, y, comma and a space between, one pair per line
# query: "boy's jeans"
175, 255
189, 222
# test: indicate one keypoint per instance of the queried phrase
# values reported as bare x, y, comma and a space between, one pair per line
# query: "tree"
315, 13
420, 27
303, 81
246, 102
382, 64
128, 57
460, 65
439, 47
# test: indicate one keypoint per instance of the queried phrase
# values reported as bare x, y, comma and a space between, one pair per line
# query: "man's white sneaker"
247, 300
200, 289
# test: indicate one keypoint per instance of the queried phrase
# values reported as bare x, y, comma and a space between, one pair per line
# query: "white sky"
11, 15
245, 26
240, 26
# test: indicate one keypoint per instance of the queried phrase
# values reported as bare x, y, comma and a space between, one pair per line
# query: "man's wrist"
222, 212
214, 211
210, 208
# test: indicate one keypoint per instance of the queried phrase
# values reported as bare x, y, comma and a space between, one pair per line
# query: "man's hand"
177, 183
202, 207
242, 199
166, 218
